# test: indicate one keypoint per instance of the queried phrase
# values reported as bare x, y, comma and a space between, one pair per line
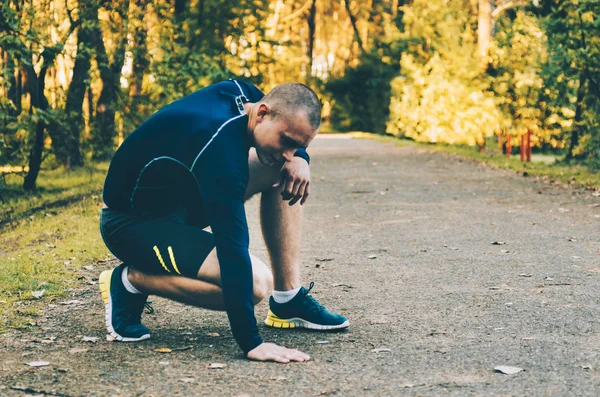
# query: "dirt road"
445, 268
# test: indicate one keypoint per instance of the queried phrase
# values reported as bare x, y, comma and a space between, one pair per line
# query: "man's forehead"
301, 132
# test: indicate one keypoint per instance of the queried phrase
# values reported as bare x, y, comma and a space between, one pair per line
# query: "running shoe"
303, 311
123, 309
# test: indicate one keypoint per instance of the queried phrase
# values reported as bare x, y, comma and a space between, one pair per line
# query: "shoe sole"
104, 285
295, 322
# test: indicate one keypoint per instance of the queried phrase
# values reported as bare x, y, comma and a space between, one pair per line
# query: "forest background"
77, 76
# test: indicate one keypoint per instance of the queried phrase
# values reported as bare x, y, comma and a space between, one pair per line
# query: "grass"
46, 238
542, 166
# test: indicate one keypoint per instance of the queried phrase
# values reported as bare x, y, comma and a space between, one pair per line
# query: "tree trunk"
311, 36
70, 152
484, 29
38, 100
575, 133
104, 131
140, 59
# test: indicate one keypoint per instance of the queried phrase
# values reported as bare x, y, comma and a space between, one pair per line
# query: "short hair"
285, 99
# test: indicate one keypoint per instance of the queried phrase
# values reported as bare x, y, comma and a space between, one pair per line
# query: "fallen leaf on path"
164, 362
217, 366
563, 210
372, 256
213, 334
451, 248
528, 338
38, 294
279, 378
325, 260
505, 369
163, 350
587, 367
381, 350
525, 275
38, 363
77, 350
92, 339
67, 263
572, 239
336, 216
323, 342
505, 251
498, 243
548, 279
341, 285
186, 380
89, 267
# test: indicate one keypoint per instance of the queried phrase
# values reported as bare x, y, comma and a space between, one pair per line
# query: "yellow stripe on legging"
173, 260
160, 258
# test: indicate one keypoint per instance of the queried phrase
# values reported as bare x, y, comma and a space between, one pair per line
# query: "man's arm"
295, 178
228, 223
303, 154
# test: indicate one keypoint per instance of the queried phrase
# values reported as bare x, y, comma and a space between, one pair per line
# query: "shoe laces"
313, 303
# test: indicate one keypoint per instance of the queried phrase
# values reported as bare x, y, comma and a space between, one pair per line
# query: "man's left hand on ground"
295, 179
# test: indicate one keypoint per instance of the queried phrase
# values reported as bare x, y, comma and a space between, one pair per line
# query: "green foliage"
361, 97
574, 46
516, 62
440, 96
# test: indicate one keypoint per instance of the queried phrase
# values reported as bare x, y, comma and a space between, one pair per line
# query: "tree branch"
298, 12
353, 22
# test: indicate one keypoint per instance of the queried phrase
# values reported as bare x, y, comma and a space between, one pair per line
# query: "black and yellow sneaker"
123, 309
303, 311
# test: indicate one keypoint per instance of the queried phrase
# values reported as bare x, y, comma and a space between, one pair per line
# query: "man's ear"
263, 111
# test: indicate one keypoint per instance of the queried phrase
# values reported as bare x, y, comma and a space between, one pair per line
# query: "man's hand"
295, 179
273, 352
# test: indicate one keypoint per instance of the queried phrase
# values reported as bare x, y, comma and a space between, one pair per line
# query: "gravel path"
445, 268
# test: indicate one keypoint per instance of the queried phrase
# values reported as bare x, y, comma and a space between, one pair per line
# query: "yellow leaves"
567, 112
588, 17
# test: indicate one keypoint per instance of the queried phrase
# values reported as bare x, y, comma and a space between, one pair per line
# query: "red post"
528, 145
499, 135
508, 145
522, 147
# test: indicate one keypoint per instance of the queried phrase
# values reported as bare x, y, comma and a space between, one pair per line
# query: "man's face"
277, 139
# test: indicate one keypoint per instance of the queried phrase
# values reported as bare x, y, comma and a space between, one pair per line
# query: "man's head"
286, 119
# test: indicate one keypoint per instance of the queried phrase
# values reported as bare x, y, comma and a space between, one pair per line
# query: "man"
188, 167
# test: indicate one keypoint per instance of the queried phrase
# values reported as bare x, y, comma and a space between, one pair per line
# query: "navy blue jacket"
194, 153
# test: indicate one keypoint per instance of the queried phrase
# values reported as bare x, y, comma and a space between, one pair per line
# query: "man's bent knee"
263, 280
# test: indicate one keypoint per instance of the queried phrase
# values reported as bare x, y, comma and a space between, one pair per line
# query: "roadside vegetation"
551, 168
46, 238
